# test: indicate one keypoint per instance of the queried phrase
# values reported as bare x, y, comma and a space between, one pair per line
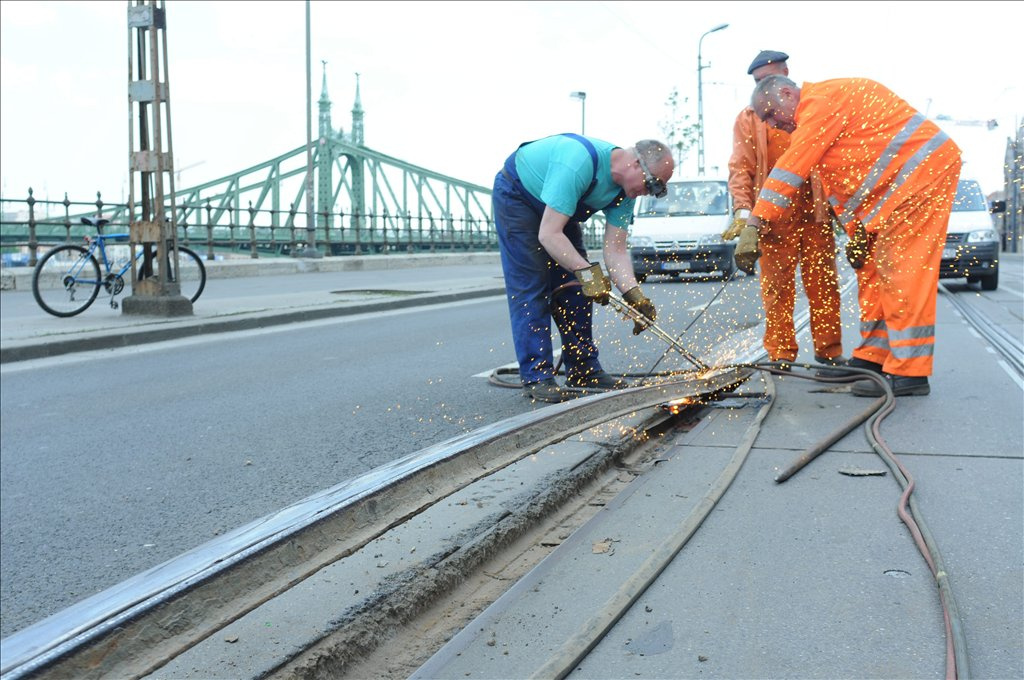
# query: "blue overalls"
532, 276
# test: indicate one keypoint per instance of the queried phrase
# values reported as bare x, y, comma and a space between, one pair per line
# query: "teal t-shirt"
558, 170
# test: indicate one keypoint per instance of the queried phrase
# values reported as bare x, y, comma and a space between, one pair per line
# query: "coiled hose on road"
957, 667
578, 646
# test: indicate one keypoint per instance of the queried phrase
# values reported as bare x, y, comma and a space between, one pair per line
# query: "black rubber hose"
957, 662
495, 378
957, 666
810, 454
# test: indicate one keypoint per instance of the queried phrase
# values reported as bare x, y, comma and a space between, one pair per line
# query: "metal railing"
29, 226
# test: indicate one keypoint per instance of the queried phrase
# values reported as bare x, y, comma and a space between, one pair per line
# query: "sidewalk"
246, 294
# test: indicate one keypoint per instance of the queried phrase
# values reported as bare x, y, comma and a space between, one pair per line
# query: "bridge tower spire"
357, 118
325, 106
357, 167
325, 159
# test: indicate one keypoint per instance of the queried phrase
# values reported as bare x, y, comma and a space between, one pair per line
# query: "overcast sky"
455, 87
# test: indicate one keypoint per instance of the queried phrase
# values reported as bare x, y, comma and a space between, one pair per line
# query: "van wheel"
729, 270
990, 282
640, 278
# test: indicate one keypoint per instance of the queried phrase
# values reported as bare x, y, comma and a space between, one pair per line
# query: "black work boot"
598, 381
865, 364
901, 385
836, 367
546, 390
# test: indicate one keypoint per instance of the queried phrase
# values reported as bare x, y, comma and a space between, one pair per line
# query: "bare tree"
679, 132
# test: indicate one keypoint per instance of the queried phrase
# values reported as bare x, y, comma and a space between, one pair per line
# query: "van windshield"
687, 198
968, 197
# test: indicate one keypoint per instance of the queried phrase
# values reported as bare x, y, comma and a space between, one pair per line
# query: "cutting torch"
627, 309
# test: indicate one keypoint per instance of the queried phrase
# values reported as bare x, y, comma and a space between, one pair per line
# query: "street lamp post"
582, 96
700, 101
310, 249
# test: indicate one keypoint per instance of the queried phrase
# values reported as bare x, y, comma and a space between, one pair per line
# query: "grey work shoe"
901, 386
836, 367
546, 390
598, 381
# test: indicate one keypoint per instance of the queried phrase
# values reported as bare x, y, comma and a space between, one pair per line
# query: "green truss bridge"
365, 202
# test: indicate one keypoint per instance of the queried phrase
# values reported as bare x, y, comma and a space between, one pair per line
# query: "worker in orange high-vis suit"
802, 237
890, 175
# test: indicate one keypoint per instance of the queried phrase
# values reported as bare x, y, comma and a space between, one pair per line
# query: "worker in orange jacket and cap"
890, 175
802, 237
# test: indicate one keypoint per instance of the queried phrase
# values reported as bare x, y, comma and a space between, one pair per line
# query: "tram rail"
1008, 347
134, 628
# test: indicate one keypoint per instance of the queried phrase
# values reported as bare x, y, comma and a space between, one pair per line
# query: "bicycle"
67, 279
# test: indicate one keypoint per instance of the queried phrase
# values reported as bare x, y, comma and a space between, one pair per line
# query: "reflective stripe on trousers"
897, 286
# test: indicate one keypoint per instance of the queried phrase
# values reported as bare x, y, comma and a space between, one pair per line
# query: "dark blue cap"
766, 57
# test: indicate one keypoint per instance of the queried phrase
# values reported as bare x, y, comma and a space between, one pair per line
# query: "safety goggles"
655, 187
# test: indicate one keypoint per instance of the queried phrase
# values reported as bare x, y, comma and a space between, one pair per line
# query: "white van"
682, 232
972, 243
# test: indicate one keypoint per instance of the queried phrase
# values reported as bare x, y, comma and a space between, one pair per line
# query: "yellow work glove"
747, 251
596, 285
734, 229
857, 248
641, 303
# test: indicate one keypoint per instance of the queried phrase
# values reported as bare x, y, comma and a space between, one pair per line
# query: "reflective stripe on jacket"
751, 161
870, 148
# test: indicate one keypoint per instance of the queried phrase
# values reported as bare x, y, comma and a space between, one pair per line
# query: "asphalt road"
117, 461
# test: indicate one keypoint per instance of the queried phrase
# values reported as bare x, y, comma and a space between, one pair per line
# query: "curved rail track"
136, 627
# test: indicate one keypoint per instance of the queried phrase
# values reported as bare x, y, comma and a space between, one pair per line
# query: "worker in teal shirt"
542, 194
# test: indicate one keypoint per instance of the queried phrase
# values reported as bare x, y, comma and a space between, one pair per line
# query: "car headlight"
640, 242
982, 236
712, 239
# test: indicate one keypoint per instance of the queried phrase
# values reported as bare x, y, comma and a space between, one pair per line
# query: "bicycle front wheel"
192, 273
66, 281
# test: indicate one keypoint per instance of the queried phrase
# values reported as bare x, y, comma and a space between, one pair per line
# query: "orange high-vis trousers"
897, 286
811, 246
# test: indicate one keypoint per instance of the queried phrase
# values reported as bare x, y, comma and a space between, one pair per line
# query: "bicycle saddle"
94, 222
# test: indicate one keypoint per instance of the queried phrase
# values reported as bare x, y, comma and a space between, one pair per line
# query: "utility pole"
700, 101
310, 250
582, 96
155, 287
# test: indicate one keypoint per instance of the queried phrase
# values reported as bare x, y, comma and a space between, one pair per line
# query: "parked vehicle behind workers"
972, 243
681, 233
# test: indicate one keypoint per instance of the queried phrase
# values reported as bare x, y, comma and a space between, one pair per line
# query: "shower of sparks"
676, 406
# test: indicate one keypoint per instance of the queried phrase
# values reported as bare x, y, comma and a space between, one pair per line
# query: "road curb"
50, 347
20, 278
